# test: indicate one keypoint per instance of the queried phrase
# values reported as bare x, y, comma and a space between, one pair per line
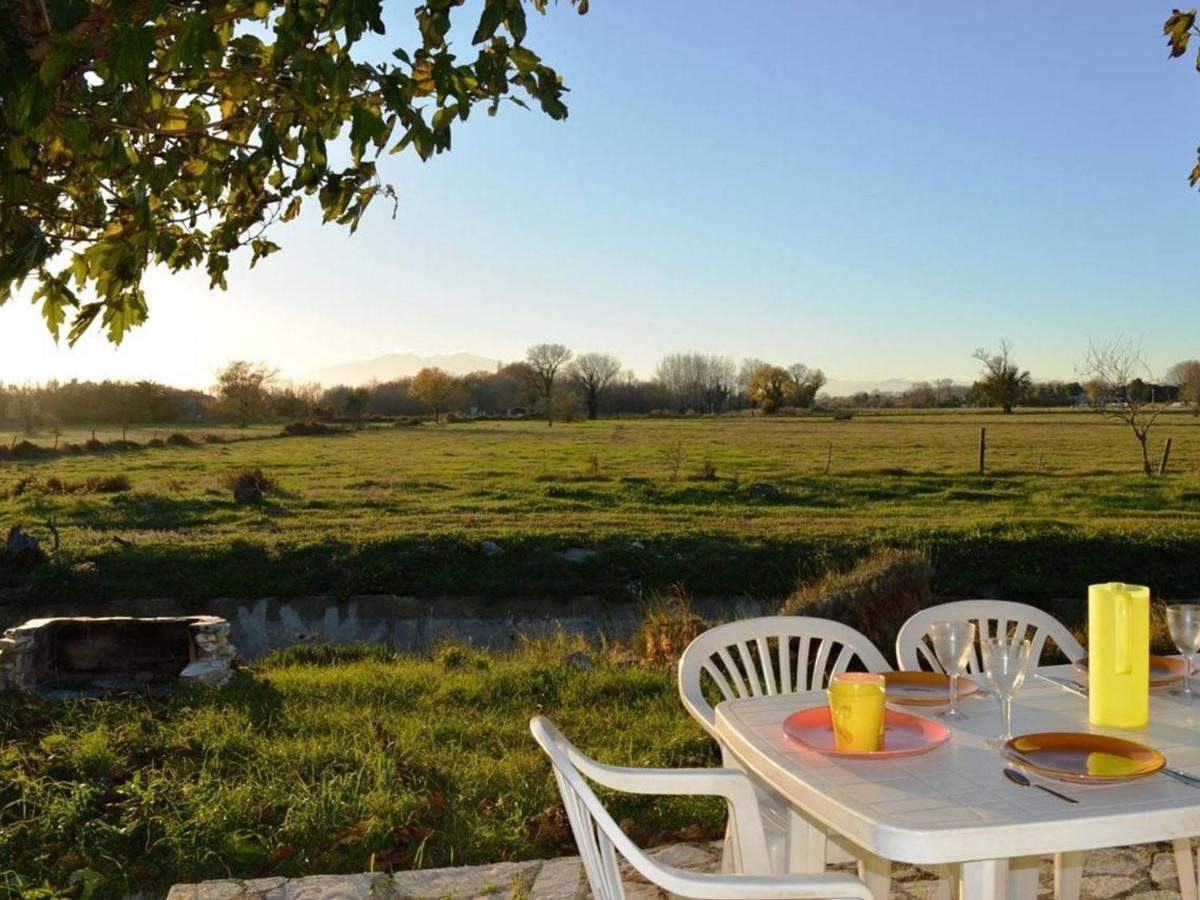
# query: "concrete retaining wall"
406, 623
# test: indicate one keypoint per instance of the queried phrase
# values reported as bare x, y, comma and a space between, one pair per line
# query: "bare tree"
697, 380
546, 360
1112, 368
1003, 383
1186, 376
592, 372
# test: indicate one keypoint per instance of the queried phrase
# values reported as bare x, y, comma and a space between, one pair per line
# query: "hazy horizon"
878, 210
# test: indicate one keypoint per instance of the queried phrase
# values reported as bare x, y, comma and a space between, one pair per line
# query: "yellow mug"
856, 710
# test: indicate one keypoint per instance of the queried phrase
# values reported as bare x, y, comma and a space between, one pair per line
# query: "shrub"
708, 470
668, 626
179, 439
301, 428
28, 450
875, 597
662, 414
156, 442
27, 485
211, 438
409, 421
108, 484
250, 484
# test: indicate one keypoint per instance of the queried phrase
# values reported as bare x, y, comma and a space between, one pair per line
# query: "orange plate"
1164, 670
903, 734
924, 688
1083, 758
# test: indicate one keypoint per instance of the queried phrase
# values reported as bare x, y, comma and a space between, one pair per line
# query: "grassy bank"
404, 510
326, 760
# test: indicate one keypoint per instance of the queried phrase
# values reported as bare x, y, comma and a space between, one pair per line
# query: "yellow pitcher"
1119, 655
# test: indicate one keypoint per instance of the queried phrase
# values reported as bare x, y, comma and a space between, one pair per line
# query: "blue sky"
875, 191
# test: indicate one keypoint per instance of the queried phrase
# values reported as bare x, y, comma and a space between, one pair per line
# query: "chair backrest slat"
993, 619
808, 652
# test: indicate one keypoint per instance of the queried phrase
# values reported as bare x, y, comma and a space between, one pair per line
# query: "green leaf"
493, 14
66, 14
130, 55
525, 60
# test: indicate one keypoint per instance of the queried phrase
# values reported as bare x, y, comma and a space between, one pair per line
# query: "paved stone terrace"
1138, 873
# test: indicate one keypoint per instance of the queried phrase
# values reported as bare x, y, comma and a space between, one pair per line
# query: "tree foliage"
772, 387
244, 390
1186, 376
136, 133
435, 388
1179, 28
1003, 383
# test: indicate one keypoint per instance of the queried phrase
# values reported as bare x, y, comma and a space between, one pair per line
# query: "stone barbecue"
88, 655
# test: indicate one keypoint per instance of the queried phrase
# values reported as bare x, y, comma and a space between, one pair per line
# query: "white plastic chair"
602, 843
996, 618
992, 618
780, 655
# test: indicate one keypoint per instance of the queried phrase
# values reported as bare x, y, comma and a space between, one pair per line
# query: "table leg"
1185, 865
806, 845
947, 886
1023, 877
876, 872
985, 879
1068, 874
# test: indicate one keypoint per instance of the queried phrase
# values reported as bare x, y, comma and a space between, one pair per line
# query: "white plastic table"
953, 805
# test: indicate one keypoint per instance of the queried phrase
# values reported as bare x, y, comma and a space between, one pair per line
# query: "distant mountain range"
401, 365
837, 387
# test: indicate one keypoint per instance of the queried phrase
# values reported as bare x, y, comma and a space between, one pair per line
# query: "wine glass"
1183, 619
1004, 664
952, 644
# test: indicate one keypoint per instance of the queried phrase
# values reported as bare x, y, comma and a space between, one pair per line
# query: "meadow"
733, 506
341, 759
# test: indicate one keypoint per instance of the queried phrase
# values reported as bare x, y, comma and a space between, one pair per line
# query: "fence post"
1162, 466
982, 448
828, 457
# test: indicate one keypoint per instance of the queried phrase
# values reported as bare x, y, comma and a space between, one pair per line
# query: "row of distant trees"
554, 382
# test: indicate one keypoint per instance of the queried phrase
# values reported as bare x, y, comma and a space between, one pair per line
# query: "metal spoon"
1016, 776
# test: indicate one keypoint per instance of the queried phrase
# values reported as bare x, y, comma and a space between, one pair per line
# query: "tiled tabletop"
953, 803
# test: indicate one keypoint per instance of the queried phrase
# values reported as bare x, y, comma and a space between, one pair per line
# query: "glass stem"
954, 695
1187, 679
1006, 718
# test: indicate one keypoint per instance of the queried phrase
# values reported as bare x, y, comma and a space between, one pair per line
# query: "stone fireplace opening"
96, 655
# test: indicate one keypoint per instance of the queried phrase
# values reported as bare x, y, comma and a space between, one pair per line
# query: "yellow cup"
856, 710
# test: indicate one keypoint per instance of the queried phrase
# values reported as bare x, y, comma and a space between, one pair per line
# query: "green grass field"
327, 760
403, 509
